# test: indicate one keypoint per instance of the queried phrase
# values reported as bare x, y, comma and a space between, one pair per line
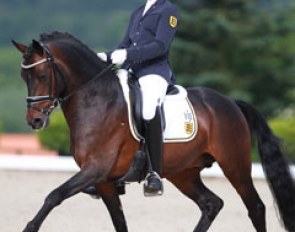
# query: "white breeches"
153, 88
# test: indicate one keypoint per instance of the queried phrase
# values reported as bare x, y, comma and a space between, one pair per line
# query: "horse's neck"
95, 102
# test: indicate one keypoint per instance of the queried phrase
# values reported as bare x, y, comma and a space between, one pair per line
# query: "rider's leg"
153, 89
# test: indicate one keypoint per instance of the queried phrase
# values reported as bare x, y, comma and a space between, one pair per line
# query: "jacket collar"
159, 2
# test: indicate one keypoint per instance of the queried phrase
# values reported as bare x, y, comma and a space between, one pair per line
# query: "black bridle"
58, 100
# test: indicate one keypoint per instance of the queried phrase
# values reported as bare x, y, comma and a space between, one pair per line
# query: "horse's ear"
37, 47
21, 47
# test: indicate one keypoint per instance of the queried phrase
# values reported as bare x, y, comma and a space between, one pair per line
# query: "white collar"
148, 5
151, 1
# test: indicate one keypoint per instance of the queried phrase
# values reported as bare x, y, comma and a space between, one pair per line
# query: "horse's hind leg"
190, 184
239, 174
110, 196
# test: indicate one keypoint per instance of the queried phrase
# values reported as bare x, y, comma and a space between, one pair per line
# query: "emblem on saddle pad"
188, 124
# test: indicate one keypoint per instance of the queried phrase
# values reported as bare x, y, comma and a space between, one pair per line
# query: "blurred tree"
285, 129
56, 136
99, 24
1, 127
241, 48
12, 92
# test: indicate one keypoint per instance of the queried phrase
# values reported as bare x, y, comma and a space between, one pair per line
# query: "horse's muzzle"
38, 123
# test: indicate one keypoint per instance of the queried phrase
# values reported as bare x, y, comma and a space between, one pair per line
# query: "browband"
24, 66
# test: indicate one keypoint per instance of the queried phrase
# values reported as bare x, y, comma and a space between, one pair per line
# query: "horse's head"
58, 67
39, 74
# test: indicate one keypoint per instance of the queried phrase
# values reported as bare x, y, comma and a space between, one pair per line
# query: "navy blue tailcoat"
148, 40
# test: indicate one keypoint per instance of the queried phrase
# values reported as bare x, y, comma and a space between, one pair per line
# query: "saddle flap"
136, 103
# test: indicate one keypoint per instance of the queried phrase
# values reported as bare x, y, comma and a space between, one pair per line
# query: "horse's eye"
42, 76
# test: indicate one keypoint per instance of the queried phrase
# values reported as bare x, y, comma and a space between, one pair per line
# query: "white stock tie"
148, 5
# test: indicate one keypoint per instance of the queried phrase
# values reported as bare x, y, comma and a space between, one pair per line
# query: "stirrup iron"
150, 192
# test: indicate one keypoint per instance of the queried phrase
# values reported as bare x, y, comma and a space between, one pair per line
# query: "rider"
144, 52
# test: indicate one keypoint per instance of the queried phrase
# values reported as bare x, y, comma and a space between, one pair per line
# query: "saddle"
135, 98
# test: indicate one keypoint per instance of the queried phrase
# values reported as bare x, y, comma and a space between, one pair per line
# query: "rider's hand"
119, 56
102, 56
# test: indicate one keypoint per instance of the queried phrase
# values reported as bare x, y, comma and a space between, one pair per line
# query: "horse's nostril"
36, 123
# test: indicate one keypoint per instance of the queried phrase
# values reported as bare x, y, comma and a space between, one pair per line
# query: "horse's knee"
54, 198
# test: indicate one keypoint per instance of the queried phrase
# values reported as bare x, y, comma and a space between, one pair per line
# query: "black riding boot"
154, 143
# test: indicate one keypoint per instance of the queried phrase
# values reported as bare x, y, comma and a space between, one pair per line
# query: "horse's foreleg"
110, 196
190, 184
81, 180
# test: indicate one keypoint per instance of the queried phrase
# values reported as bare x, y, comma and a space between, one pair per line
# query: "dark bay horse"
60, 69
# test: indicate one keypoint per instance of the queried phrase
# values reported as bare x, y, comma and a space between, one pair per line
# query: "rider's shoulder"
169, 6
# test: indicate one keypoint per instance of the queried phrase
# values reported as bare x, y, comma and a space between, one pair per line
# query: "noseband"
31, 101
55, 101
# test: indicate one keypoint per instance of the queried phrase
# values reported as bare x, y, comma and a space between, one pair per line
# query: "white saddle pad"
180, 118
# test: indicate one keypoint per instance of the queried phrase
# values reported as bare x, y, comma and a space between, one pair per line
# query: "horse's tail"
274, 164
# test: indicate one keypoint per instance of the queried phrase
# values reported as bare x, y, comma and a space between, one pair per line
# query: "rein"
56, 101
61, 100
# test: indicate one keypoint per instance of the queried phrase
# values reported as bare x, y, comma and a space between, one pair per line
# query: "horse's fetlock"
260, 208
